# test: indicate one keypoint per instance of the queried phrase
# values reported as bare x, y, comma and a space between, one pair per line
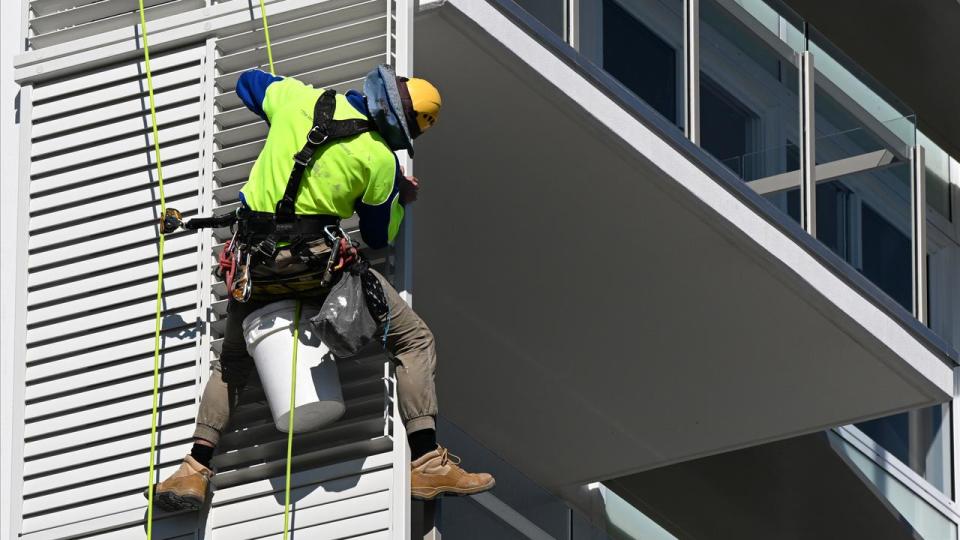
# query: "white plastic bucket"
269, 335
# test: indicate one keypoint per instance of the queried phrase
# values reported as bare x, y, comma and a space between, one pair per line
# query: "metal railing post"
918, 229
808, 142
691, 70
571, 23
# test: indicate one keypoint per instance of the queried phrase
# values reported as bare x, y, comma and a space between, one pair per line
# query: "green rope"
266, 36
293, 403
156, 334
296, 333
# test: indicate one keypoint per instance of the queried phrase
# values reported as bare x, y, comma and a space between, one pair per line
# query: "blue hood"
386, 109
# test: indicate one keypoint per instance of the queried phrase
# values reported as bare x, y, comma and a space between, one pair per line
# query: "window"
726, 125
640, 59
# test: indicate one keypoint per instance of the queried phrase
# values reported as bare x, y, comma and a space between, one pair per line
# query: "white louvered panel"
82, 195
116, 73
120, 165
340, 77
59, 22
343, 473
328, 14
92, 453
178, 327
83, 503
125, 89
81, 398
92, 295
77, 219
85, 475
334, 519
124, 525
97, 413
73, 383
89, 131
67, 159
108, 316
97, 264
101, 282
139, 226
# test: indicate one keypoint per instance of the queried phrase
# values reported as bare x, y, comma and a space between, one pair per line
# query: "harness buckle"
316, 136
268, 247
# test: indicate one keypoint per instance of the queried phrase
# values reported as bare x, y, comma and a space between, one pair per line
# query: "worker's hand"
409, 187
347, 253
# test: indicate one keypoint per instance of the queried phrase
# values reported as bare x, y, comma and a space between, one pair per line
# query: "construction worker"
358, 173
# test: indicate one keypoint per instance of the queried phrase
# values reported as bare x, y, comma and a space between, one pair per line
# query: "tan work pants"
409, 342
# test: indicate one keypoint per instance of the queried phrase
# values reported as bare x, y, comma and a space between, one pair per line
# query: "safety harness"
258, 236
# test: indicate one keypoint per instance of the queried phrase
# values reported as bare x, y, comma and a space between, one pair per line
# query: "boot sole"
169, 501
431, 494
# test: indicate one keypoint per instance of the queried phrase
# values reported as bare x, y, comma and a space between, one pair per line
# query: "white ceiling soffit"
590, 282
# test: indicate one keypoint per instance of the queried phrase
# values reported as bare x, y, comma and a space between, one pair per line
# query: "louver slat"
91, 297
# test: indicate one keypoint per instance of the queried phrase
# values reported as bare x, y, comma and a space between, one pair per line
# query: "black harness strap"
324, 129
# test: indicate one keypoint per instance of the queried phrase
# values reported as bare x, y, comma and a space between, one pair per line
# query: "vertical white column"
16, 199
918, 226
808, 140
403, 280
691, 69
10, 46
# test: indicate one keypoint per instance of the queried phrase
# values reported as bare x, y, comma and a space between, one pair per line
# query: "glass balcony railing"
749, 115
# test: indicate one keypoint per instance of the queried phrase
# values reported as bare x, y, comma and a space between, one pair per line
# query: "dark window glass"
725, 123
891, 433
832, 224
886, 256
640, 59
549, 12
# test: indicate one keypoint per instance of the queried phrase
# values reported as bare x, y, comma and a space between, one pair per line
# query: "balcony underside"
793, 489
595, 292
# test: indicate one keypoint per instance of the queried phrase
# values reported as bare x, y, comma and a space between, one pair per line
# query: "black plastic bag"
345, 323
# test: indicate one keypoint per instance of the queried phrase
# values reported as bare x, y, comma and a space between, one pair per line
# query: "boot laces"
447, 457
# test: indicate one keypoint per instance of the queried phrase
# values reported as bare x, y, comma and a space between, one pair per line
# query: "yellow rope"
159, 310
156, 335
296, 333
293, 403
266, 36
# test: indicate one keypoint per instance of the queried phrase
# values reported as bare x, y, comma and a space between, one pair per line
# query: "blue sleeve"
252, 89
379, 223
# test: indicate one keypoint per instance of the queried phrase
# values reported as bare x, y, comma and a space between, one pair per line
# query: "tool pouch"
345, 323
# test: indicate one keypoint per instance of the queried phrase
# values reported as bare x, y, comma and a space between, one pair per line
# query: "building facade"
692, 270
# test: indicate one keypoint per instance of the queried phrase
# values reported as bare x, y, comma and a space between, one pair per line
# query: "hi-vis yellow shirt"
355, 174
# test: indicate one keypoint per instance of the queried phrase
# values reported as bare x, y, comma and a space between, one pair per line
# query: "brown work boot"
438, 472
186, 489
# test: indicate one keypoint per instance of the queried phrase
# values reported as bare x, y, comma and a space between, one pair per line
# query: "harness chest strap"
324, 129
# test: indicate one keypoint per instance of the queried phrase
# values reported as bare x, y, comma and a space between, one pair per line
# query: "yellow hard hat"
426, 102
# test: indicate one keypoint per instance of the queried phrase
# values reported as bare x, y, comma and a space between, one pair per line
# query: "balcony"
600, 285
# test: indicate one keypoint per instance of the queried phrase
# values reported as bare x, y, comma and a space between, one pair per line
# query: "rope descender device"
171, 221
